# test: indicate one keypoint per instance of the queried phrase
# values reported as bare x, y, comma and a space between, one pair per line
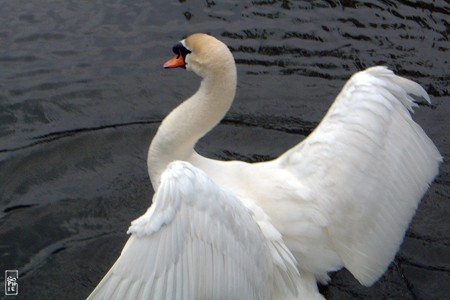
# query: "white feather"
194, 234
367, 165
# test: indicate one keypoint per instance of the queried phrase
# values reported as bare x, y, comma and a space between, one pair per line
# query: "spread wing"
198, 241
365, 168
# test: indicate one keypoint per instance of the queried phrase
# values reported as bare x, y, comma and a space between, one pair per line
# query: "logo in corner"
11, 284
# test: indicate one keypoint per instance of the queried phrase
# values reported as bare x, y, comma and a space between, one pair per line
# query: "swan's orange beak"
177, 61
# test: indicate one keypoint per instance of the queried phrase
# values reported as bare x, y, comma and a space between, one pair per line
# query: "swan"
342, 198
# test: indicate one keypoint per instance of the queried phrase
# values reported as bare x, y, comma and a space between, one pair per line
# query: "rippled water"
82, 91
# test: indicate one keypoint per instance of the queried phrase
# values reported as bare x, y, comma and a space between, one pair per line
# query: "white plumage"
193, 230
232, 230
366, 166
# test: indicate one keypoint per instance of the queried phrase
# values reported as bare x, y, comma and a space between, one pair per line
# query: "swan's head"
202, 54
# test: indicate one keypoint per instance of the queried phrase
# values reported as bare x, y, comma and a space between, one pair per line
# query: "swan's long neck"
191, 120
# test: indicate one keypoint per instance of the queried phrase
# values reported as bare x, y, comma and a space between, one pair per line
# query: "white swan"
232, 230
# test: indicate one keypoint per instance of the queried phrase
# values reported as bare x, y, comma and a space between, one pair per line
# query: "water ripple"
82, 90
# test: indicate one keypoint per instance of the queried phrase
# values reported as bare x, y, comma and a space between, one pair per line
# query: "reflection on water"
82, 92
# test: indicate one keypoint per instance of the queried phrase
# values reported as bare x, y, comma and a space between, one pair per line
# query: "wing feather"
198, 241
366, 165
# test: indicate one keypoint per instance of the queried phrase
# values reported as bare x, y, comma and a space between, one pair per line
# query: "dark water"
82, 91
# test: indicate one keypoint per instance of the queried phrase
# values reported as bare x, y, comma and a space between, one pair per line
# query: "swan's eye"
180, 49
180, 60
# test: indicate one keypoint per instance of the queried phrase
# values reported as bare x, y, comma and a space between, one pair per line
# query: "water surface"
82, 92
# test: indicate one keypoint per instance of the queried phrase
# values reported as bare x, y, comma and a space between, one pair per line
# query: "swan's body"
221, 230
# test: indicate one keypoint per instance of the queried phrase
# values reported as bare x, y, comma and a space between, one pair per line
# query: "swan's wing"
365, 168
198, 241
